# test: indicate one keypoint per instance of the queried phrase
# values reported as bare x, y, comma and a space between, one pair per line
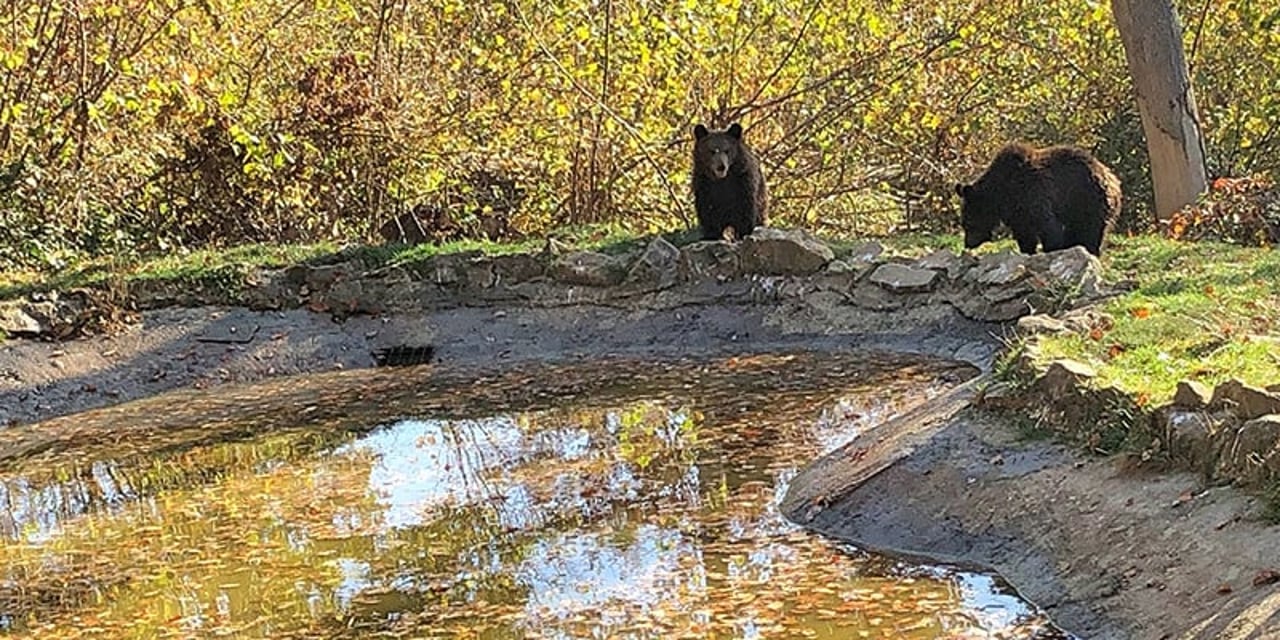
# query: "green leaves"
585, 104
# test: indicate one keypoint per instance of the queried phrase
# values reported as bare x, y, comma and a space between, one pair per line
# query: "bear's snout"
719, 167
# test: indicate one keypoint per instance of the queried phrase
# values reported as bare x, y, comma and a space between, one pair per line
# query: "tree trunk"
1152, 38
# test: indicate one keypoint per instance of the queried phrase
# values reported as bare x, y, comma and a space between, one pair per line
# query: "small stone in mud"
403, 355
1265, 577
1192, 395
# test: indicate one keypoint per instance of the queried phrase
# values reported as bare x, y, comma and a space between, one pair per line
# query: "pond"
611, 499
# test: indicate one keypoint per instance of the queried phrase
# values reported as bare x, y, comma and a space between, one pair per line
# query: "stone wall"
769, 266
1229, 433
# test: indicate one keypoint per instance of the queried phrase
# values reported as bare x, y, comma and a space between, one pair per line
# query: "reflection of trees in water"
461, 520
35, 504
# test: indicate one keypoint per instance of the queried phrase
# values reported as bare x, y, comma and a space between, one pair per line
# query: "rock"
1062, 377
999, 269
1074, 266
1192, 395
904, 279
1250, 454
876, 298
15, 321
322, 277
1273, 388
587, 268
273, 289
709, 259
1246, 402
447, 270
998, 395
1190, 435
658, 264
864, 253
479, 274
840, 266
951, 264
515, 268
1040, 324
784, 252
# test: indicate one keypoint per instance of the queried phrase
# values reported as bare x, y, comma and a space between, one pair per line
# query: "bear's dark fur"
728, 187
1057, 197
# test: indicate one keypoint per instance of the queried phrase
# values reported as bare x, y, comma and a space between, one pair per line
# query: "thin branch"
589, 95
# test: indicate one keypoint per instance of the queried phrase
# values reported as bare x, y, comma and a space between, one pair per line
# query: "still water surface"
624, 500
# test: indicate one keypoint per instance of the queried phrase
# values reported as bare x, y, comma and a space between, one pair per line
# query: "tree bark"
1152, 37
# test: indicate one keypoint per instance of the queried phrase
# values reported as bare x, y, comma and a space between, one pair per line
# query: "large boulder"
657, 265
784, 252
588, 268
904, 279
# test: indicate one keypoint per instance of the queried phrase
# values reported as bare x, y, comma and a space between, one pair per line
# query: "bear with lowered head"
1055, 197
728, 187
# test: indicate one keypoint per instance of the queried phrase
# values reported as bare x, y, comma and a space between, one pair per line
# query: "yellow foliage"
229, 120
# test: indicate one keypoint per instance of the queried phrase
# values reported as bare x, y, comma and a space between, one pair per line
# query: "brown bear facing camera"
728, 187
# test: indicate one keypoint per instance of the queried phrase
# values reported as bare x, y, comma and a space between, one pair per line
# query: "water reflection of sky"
604, 567
425, 465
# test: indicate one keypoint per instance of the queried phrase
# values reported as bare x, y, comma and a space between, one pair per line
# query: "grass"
1202, 311
216, 264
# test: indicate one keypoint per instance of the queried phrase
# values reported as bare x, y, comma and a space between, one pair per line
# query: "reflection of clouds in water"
430, 463
423, 465
34, 514
426, 464
570, 573
354, 577
987, 602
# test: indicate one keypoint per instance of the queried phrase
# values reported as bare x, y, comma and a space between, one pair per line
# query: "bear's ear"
700, 132
963, 190
735, 131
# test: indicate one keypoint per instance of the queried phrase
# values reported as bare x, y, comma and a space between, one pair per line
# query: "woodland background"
144, 126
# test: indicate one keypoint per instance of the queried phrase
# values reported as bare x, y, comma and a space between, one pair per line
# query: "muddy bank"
198, 348
1106, 550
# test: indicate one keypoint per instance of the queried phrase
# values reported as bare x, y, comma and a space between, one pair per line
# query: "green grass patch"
205, 264
223, 266
1205, 311
912, 245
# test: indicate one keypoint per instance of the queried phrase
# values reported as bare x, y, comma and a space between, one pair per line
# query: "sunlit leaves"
587, 104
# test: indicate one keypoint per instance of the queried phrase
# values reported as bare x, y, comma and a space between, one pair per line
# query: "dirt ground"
1104, 551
